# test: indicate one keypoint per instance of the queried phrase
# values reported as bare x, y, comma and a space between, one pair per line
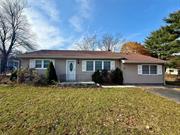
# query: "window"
38, 64
153, 69
98, 65
89, 65
94, 65
107, 65
149, 69
145, 69
46, 63
42, 64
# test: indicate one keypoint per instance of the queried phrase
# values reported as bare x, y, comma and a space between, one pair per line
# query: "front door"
71, 70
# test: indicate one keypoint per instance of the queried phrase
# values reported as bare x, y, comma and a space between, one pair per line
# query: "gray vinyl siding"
60, 66
130, 73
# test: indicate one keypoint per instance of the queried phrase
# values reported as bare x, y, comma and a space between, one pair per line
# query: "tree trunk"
4, 63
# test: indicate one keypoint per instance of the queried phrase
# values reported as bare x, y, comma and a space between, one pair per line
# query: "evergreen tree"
51, 74
164, 42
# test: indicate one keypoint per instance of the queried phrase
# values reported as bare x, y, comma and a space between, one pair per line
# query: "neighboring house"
80, 65
12, 64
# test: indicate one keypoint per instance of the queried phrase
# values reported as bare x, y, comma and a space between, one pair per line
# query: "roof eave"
146, 62
66, 57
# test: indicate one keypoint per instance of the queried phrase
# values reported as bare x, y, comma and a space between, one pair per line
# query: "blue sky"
59, 24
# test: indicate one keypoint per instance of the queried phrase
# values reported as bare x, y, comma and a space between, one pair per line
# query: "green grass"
32, 110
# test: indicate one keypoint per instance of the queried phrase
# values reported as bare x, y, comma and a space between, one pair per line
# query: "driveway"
170, 93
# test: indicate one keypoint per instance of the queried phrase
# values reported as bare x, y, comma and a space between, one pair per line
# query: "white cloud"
42, 16
48, 7
82, 14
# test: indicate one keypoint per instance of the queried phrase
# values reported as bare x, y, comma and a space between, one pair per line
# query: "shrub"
13, 76
97, 77
31, 76
39, 81
106, 77
26, 75
51, 74
117, 76
4, 79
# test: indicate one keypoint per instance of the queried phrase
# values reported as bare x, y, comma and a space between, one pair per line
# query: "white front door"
71, 70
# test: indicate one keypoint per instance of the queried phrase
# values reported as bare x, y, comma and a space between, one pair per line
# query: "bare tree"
14, 29
87, 43
111, 43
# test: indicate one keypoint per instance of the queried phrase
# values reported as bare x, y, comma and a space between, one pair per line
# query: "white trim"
94, 66
67, 70
139, 69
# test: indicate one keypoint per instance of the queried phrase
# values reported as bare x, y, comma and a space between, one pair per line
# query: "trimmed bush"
117, 76
106, 77
97, 77
51, 74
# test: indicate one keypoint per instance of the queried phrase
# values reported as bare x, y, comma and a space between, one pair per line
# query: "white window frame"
94, 64
42, 63
102, 62
150, 69
109, 63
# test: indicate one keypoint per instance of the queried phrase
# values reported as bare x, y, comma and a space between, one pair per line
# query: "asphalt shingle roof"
73, 54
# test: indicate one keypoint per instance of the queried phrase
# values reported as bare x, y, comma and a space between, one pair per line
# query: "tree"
14, 29
110, 43
174, 62
174, 21
87, 43
165, 41
134, 47
51, 74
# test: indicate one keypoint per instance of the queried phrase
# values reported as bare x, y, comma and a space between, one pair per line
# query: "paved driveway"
169, 93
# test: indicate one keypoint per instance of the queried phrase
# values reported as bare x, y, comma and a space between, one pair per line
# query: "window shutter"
159, 69
112, 65
32, 63
83, 66
139, 69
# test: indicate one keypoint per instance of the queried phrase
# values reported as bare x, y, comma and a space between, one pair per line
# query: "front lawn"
32, 110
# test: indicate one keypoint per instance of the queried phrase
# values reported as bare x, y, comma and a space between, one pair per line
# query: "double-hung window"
42, 64
46, 63
38, 64
149, 69
153, 69
98, 65
107, 65
94, 65
89, 65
